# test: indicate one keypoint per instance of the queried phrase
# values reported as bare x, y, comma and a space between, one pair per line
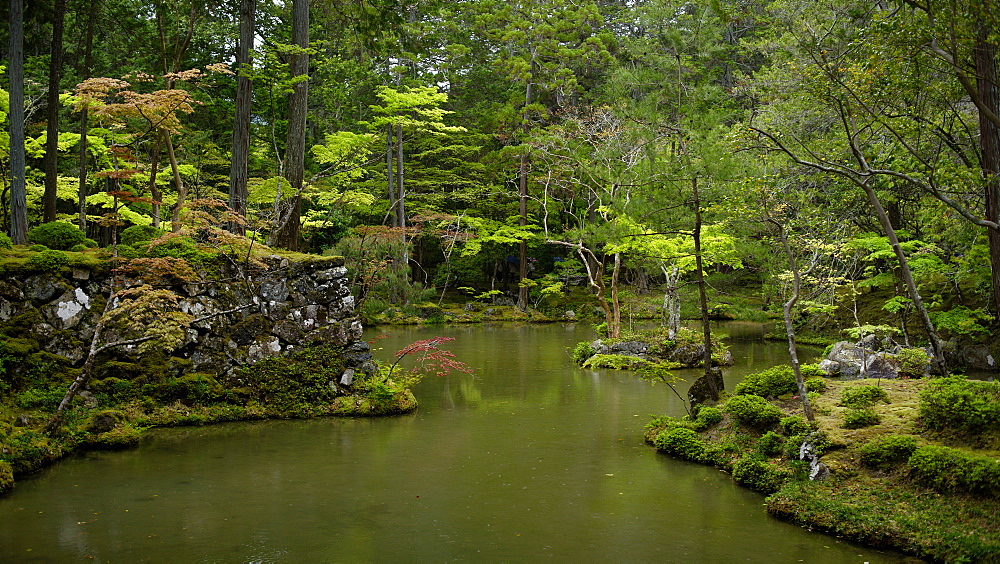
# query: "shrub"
775, 381
47, 261
859, 418
951, 470
5, 242
794, 425
136, 234
758, 474
863, 396
614, 362
816, 384
960, 404
680, 442
37, 248
913, 363
770, 444
78, 248
753, 411
707, 416
57, 235
582, 351
885, 452
90, 243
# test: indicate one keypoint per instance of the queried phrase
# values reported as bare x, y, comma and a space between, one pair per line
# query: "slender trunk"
238, 174
82, 189
295, 141
154, 188
18, 190
401, 202
522, 182
671, 301
88, 63
175, 216
985, 55
911, 286
615, 322
390, 176
700, 277
49, 199
787, 309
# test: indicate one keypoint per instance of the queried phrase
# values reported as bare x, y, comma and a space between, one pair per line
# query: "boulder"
850, 360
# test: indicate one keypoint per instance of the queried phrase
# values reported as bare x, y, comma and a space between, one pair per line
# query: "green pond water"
529, 459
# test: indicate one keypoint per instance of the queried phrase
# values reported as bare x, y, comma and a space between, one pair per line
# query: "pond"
530, 458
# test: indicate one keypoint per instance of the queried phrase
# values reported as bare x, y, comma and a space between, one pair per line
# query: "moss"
123, 437
6, 477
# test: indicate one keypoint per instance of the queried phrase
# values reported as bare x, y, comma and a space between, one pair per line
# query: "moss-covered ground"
935, 498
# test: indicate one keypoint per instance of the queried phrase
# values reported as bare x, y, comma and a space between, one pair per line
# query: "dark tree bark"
52, 114
88, 62
295, 140
710, 378
522, 291
18, 193
985, 55
238, 174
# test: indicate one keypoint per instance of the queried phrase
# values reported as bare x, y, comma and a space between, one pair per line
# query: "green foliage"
776, 381
951, 470
758, 474
47, 261
888, 451
78, 248
680, 442
27, 450
770, 444
295, 383
863, 396
794, 425
44, 396
958, 404
913, 362
614, 362
136, 234
860, 418
57, 235
816, 383
582, 351
5, 242
753, 411
37, 248
707, 417
961, 321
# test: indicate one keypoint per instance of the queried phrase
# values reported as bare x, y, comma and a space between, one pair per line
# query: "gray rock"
42, 288
978, 357
347, 378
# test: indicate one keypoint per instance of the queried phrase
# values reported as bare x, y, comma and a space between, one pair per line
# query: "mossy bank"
911, 465
271, 337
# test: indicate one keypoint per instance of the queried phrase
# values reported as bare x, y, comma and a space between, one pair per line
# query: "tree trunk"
672, 301
712, 382
522, 183
787, 309
390, 176
175, 215
18, 192
154, 188
88, 63
985, 55
904, 268
401, 201
295, 140
238, 174
52, 114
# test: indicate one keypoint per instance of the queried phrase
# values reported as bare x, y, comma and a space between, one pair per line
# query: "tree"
52, 112
18, 194
241, 121
542, 45
286, 233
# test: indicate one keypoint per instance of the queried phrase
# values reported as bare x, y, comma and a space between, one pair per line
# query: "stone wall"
284, 305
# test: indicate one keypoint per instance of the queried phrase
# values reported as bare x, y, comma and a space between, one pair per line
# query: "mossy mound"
897, 482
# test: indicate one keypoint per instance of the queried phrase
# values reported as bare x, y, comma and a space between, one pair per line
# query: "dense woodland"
818, 150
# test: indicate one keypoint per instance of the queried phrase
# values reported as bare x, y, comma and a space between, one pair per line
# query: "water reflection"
529, 458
